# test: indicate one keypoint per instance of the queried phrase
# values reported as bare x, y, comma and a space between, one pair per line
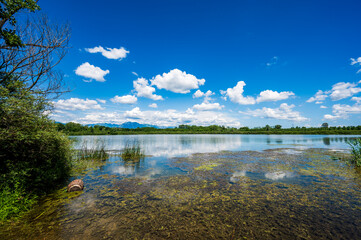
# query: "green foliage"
34, 156
132, 151
356, 151
8, 9
14, 201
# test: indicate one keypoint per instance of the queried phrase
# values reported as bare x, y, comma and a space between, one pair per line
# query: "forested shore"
74, 129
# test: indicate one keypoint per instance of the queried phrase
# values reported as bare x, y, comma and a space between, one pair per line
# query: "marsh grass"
96, 152
355, 151
88, 157
132, 151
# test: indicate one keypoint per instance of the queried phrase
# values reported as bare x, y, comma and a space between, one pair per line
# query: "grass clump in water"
96, 152
132, 151
355, 151
87, 157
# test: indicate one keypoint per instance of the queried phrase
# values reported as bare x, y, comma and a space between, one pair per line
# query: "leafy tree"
8, 9
324, 125
278, 127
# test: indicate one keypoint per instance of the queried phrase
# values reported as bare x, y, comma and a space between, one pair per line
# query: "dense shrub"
38, 160
34, 156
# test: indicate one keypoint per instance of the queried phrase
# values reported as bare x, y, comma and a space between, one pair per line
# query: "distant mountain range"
130, 125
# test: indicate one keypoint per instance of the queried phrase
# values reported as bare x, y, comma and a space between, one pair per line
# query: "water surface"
207, 187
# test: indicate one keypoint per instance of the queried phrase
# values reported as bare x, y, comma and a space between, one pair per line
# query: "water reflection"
236, 175
278, 175
182, 145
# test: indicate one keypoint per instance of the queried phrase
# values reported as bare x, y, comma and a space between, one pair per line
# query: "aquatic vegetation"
96, 152
132, 151
206, 167
356, 151
88, 158
272, 194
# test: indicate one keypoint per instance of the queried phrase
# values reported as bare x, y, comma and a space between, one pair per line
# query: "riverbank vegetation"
35, 158
355, 151
78, 129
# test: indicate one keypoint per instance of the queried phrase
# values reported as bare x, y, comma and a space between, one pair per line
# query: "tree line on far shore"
72, 128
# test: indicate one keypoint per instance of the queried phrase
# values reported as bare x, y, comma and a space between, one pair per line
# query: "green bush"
14, 201
34, 157
38, 160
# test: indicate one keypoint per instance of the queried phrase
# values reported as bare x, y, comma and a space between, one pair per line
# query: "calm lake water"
182, 145
206, 187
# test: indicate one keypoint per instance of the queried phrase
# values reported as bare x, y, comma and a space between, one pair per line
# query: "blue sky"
233, 63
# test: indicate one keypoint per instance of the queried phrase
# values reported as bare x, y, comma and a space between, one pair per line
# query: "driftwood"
76, 185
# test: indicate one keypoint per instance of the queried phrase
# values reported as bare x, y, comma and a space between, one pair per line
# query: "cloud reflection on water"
278, 175
182, 145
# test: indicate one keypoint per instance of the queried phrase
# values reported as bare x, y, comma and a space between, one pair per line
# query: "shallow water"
203, 187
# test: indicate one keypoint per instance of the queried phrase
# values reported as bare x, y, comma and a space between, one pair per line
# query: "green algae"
206, 167
227, 195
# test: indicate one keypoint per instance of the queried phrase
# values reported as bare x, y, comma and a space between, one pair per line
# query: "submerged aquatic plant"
132, 151
356, 151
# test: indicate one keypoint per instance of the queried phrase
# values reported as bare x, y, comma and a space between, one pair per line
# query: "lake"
206, 187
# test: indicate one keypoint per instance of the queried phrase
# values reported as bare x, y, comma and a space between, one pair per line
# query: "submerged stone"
76, 185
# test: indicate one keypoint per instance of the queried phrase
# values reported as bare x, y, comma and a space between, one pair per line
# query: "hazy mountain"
124, 125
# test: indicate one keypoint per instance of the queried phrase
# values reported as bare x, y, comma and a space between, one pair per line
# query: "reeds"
96, 152
132, 151
355, 151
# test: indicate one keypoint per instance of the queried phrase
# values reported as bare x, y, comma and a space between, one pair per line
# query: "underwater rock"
76, 185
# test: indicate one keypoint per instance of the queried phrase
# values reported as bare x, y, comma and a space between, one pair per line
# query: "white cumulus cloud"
343, 90
207, 95
90, 71
135, 113
356, 99
153, 105
343, 111
270, 96
127, 99
319, 97
73, 104
235, 94
205, 106
284, 112
143, 89
177, 81
110, 53
339, 91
